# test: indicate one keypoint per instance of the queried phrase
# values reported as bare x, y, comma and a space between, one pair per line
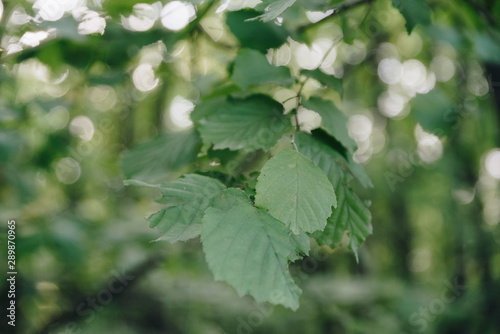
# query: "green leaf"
434, 111
356, 169
323, 156
255, 34
333, 121
414, 11
154, 158
274, 9
252, 68
206, 108
190, 197
325, 79
302, 246
230, 198
295, 191
351, 213
256, 122
249, 249
359, 173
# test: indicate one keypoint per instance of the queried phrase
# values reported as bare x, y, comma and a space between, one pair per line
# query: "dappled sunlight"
409, 45
33, 69
476, 81
179, 111
144, 78
49, 10
176, 15
316, 16
223, 6
329, 52
280, 56
308, 58
18, 17
491, 211
12, 45
428, 84
233, 5
57, 118
387, 50
488, 187
321, 53
29, 39
82, 127
360, 128
464, 196
53, 10
378, 140
153, 54
364, 152
355, 53
443, 67
393, 104
68, 170
143, 17
213, 27
430, 148
405, 80
91, 23
420, 259
32, 39
413, 76
102, 97
287, 97
390, 71
492, 163
307, 120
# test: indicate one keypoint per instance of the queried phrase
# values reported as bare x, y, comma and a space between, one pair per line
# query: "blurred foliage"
423, 109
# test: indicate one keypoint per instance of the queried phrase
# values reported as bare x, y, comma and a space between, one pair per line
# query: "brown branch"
72, 316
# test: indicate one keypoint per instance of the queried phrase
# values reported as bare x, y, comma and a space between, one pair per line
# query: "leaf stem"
297, 105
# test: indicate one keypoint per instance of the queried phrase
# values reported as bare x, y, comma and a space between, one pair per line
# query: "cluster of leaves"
275, 184
273, 187
241, 191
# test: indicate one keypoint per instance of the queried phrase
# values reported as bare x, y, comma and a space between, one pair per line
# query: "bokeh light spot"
143, 17
492, 163
179, 111
443, 67
390, 71
176, 15
144, 78
82, 127
58, 117
68, 170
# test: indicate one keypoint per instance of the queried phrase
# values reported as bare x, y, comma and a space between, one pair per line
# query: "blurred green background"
79, 86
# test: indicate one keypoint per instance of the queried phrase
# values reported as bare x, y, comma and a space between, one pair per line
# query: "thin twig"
339, 8
72, 316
